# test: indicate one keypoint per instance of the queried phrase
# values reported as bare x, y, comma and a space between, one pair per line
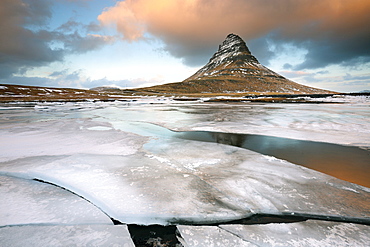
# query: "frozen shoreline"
115, 155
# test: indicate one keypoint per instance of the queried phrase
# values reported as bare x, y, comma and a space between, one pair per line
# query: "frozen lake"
157, 161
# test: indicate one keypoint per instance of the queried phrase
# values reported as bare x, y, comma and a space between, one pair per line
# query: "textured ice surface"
65, 137
211, 183
134, 189
209, 236
308, 233
265, 184
30, 202
74, 235
334, 123
141, 173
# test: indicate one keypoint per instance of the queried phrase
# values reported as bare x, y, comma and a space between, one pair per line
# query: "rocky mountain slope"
234, 69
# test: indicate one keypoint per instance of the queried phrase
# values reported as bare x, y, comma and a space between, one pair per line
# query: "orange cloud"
190, 25
206, 19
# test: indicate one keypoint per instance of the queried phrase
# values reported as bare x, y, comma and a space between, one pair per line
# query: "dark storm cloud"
58, 73
25, 41
199, 54
20, 47
29, 81
358, 80
336, 49
260, 49
332, 31
76, 43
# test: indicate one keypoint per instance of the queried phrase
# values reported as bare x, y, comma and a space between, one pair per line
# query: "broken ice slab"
308, 233
31, 202
208, 236
132, 189
264, 184
72, 235
177, 181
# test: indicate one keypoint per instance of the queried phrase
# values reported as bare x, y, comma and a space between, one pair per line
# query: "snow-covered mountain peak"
233, 58
232, 48
233, 42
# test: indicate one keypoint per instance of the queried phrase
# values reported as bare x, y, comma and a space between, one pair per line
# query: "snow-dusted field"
125, 161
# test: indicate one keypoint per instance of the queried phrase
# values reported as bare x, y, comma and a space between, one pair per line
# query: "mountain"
233, 68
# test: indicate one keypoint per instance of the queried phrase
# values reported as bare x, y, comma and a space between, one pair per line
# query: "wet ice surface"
132, 189
308, 233
344, 162
73, 235
65, 137
30, 202
204, 236
210, 183
113, 155
333, 123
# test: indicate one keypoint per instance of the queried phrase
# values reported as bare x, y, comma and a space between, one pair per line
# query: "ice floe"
207, 236
123, 158
308, 233
26, 202
334, 123
211, 183
72, 235
65, 137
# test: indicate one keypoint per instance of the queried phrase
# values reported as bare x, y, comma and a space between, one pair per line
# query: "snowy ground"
121, 161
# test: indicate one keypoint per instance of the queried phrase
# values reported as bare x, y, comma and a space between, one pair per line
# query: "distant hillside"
234, 69
11, 93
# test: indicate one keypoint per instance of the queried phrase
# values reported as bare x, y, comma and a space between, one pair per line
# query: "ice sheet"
209, 236
308, 233
30, 202
211, 183
265, 184
136, 189
65, 137
334, 123
76, 235
110, 155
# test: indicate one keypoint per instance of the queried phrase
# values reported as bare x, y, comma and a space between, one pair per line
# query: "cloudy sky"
135, 43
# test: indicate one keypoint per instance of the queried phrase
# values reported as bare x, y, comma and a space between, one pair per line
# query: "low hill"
11, 93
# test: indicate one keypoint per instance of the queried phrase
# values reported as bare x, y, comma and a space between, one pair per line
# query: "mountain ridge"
233, 48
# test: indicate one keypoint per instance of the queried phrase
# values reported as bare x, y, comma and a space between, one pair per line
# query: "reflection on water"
229, 139
348, 163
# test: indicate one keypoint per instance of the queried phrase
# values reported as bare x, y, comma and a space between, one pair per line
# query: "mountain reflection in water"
344, 162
